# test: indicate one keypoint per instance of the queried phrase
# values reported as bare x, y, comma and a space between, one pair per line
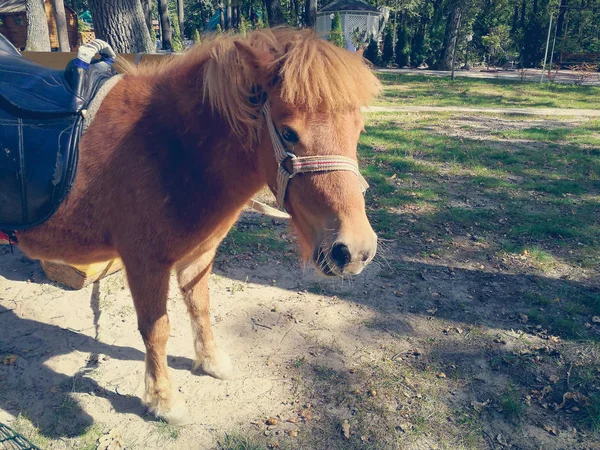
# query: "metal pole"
547, 45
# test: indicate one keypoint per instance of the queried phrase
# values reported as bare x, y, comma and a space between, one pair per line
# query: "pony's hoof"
218, 365
177, 415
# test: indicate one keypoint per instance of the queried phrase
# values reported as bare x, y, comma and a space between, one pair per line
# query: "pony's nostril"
340, 255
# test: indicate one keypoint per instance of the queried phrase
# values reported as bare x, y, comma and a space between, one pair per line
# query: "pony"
175, 152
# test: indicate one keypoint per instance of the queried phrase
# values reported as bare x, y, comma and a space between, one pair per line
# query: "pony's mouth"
323, 265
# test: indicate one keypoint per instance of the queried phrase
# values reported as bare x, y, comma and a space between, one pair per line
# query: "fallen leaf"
596, 319
459, 330
554, 379
552, 430
9, 360
292, 433
524, 318
272, 421
306, 414
501, 440
432, 311
441, 375
373, 393
112, 440
479, 406
346, 429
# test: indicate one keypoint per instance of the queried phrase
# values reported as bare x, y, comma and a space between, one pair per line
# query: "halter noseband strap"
303, 164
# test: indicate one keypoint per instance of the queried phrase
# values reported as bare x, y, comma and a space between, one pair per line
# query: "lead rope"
304, 164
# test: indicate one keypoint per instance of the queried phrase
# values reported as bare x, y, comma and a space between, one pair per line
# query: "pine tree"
372, 52
176, 33
196, 36
336, 35
387, 55
402, 47
243, 27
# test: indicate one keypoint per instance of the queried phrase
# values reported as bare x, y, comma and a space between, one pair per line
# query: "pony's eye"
289, 135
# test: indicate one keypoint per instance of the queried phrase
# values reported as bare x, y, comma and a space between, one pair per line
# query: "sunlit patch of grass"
236, 441
23, 425
167, 431
411, 89
89, 441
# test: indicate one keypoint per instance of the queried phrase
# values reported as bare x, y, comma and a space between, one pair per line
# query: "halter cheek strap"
303, 164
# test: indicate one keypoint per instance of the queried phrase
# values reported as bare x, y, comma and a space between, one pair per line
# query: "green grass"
511, 405
405, 162
421, 90
239, 442
23, 425
252, 239
166, 431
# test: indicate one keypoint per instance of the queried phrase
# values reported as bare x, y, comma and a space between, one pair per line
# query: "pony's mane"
312, 74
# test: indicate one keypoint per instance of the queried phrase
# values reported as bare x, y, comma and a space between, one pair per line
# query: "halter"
303, 164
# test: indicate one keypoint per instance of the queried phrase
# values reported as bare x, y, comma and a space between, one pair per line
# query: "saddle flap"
30, 90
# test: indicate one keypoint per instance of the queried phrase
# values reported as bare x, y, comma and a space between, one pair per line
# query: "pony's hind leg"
149, 285
193, 282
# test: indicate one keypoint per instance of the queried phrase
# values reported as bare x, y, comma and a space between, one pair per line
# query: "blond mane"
313, 74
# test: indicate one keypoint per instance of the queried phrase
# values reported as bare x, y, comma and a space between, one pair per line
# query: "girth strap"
304, 164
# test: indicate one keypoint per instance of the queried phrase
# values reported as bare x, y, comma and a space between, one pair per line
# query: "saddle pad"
94, 105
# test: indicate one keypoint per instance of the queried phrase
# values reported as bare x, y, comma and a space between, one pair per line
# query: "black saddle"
40, 126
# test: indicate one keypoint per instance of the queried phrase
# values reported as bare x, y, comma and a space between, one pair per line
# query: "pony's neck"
204, 152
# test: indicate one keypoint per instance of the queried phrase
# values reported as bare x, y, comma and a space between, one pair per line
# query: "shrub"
387, 56
336, 35
372, 52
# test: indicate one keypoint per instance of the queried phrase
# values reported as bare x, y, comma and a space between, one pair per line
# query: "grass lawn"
420, 90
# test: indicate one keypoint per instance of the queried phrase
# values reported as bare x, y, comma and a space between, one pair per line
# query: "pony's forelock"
313, 75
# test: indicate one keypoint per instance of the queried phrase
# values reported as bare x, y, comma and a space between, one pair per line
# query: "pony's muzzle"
342, 258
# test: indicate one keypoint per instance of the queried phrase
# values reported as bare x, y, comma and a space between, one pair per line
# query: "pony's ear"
257, 60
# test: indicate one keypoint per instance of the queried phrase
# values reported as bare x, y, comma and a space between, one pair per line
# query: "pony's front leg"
193, 282
149, 285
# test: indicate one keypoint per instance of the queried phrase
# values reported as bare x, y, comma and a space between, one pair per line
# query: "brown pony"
176, 151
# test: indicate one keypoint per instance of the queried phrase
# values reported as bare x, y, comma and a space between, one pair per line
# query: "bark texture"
147, 8
165, 24
121, 23
274, 12
38, 36
310, 13
180, 17
61, 25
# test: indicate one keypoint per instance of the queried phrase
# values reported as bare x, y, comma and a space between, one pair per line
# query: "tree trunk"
121, 23
61, 25
310, 13
163, 16
38, 36
147, 8
274, 12
228, 14
180, 17
451, 39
